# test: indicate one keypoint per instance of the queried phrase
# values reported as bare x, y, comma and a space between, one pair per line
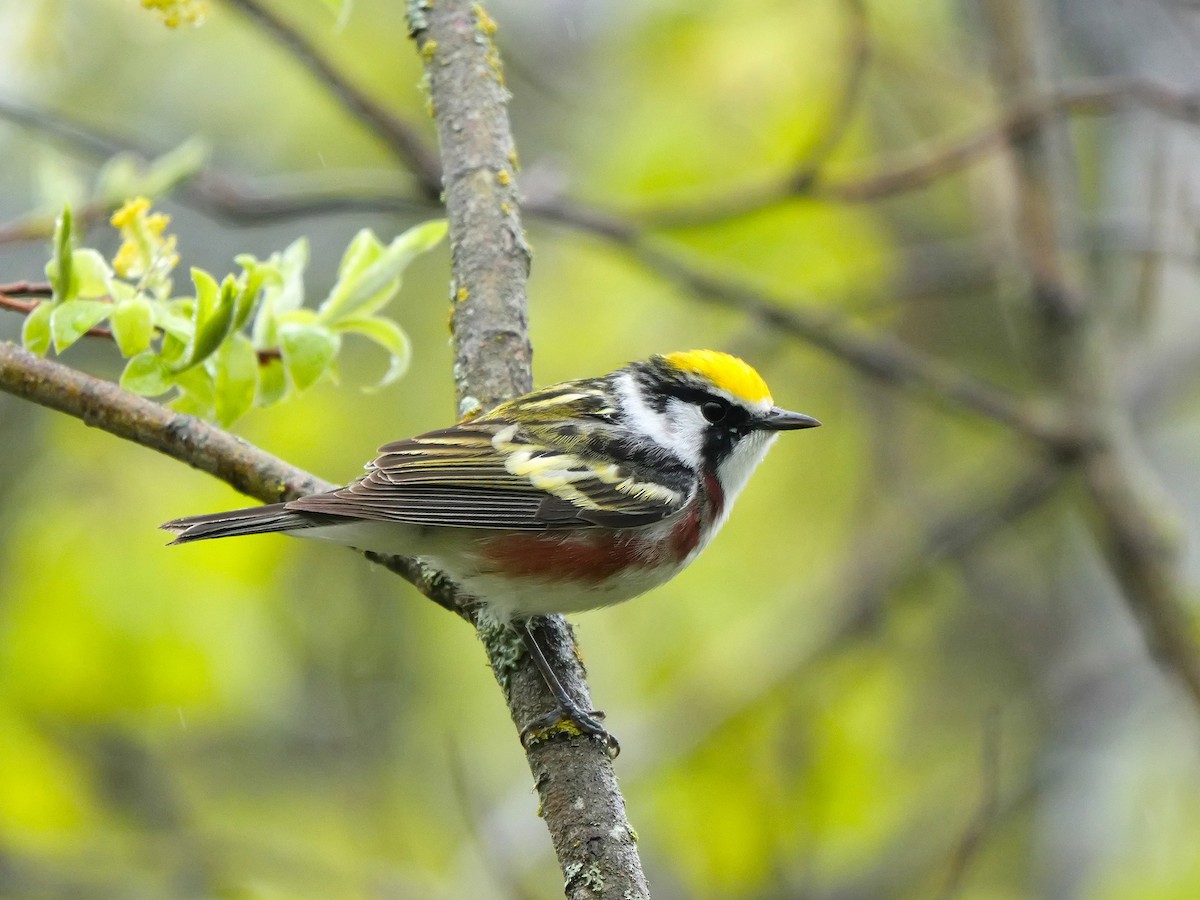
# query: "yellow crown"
726, 372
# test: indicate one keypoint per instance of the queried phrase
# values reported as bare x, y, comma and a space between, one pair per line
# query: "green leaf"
272, 382
307, 351
70, 320
35, 332
388, 335
292, 264
92, 273
362, 251
59, 270
146, 374
361, 291
208, 296
121, 290
249, 285
212, 317
133, 324
118, 179
235, 378
170, 321
364, 248
196, 393
213, 331
283, 289
177, 329
173, 167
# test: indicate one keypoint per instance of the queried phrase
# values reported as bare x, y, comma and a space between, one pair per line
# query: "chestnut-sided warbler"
575, 496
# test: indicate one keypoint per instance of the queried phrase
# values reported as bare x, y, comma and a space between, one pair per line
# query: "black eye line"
735, 418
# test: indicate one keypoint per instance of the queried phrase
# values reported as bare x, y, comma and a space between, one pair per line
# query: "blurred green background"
903, 670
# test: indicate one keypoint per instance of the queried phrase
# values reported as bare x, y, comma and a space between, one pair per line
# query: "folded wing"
487, 474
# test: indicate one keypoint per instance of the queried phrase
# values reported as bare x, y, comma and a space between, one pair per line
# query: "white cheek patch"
677, 429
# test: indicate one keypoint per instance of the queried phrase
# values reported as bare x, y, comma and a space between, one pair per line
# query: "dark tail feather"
253, 520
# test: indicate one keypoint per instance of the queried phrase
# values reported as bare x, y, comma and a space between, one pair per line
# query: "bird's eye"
714, 411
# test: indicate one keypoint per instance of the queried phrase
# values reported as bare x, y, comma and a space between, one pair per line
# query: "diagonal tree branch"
104, 405
403, 140
941, 157
807, 168
877, 356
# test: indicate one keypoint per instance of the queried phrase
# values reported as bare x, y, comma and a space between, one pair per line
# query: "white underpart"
451, 550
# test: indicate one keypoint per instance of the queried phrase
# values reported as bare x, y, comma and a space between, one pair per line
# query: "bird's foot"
570, 719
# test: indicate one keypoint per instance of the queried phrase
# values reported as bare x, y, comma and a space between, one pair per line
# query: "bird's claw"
570, 720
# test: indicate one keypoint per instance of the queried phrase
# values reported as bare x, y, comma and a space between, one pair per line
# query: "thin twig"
265, 355
942, 156
984, 819
882, 357
27, 289
403, 140
1132, 527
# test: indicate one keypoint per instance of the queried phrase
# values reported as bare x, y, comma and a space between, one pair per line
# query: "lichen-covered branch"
244, 467
104, 405
580, 801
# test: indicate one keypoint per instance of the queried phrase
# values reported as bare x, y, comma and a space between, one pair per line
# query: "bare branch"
984, 819
27, 289
943, 156
103, 405
877, 356
580, 800
401, 138
1132, 526
858, 52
